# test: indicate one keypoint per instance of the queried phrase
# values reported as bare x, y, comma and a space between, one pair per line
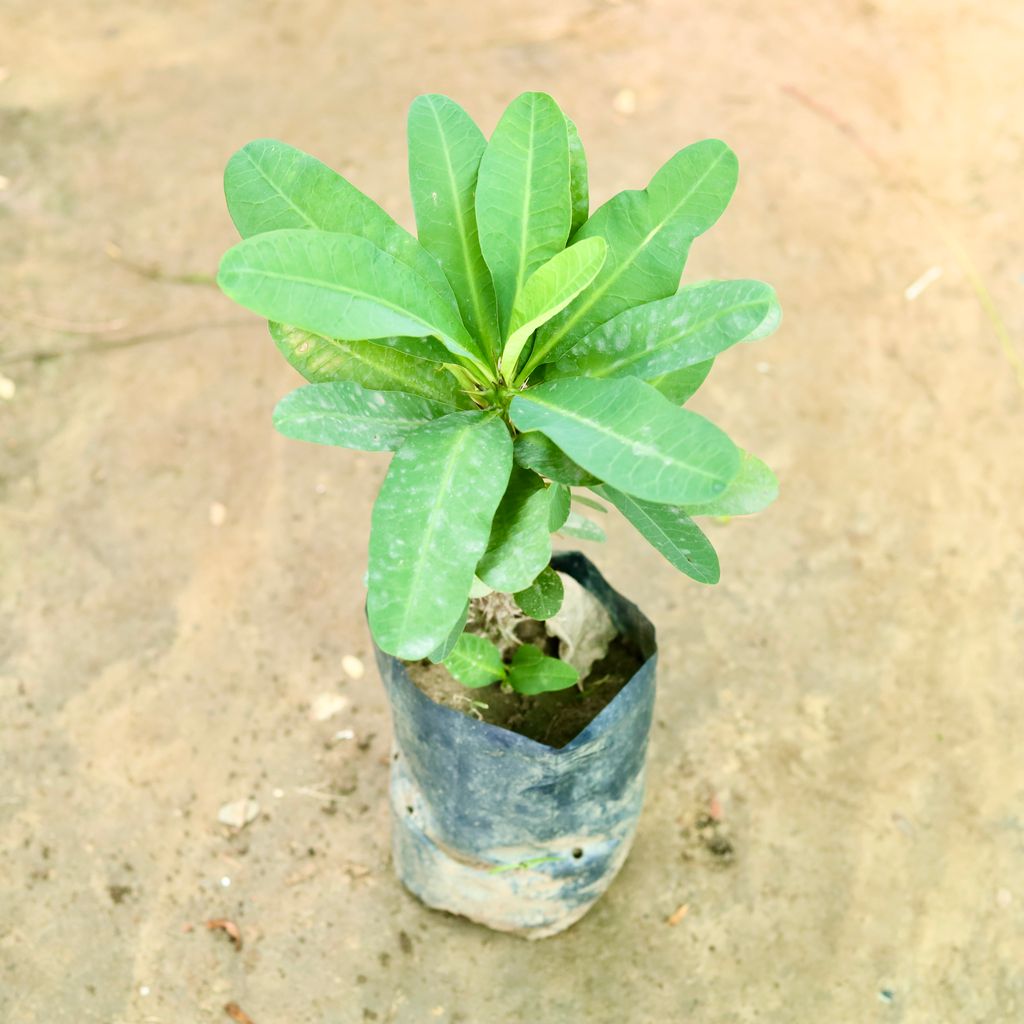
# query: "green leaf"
561, 505
769, 325
582, 528
445, 148
679, 386
670, 530
343, 413
430, 525
539, 453
752, 489
629, 435
270, 186
520, 541
582, 499
374, 365
523, 207
532, 672
551, 288
579, 187
439, 653
475, 661
648, 235
337, 286
692, 326
543, 597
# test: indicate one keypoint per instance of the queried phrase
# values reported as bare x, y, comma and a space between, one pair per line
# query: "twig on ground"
152, 272
64, 326
928, 208
43, 355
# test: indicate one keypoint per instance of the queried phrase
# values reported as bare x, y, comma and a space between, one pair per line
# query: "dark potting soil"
551, 718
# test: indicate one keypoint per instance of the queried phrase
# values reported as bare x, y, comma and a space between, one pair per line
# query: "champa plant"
519, 349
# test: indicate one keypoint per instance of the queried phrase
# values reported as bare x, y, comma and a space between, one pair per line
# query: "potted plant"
516, 355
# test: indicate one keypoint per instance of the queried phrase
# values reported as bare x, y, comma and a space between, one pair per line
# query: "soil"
835, 786
551, 718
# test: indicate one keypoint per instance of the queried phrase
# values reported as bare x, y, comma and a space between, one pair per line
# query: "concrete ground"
179, 584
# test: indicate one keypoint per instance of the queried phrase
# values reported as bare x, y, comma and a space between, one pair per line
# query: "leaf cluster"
518, 350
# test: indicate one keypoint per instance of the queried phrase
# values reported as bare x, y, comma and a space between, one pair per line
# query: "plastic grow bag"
507, 831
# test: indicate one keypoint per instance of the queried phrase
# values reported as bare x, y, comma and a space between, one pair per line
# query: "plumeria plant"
518, 351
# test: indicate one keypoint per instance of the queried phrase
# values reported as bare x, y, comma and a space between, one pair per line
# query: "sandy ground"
849, 696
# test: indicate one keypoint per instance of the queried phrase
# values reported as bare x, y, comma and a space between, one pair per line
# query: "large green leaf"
443, 649
475, 661
445, 148
648, 234
538, 452
373, 364
551, 288
520, 541
523, 206
531, 671
753, 488
430, 525
543, 597
579, 184
632, 437
680, 386
338, 286
670, 530
269, 186
561, 506
582, 528
343, 413
648, 341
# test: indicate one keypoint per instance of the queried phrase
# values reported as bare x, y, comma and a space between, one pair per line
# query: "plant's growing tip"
519, 348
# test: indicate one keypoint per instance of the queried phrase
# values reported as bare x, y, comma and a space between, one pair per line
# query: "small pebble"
225, 882
763, 367
278, 793
218, 513
1004, 898
353, 666
239, 813
327, 705
5, 182
624, 102
7, 388
345, 734
143, 990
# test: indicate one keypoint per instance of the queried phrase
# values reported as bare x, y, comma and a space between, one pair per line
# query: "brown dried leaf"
227, 926
236, 1013
679, 914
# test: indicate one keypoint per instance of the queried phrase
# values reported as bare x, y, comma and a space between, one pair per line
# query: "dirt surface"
551, 718
836, 788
